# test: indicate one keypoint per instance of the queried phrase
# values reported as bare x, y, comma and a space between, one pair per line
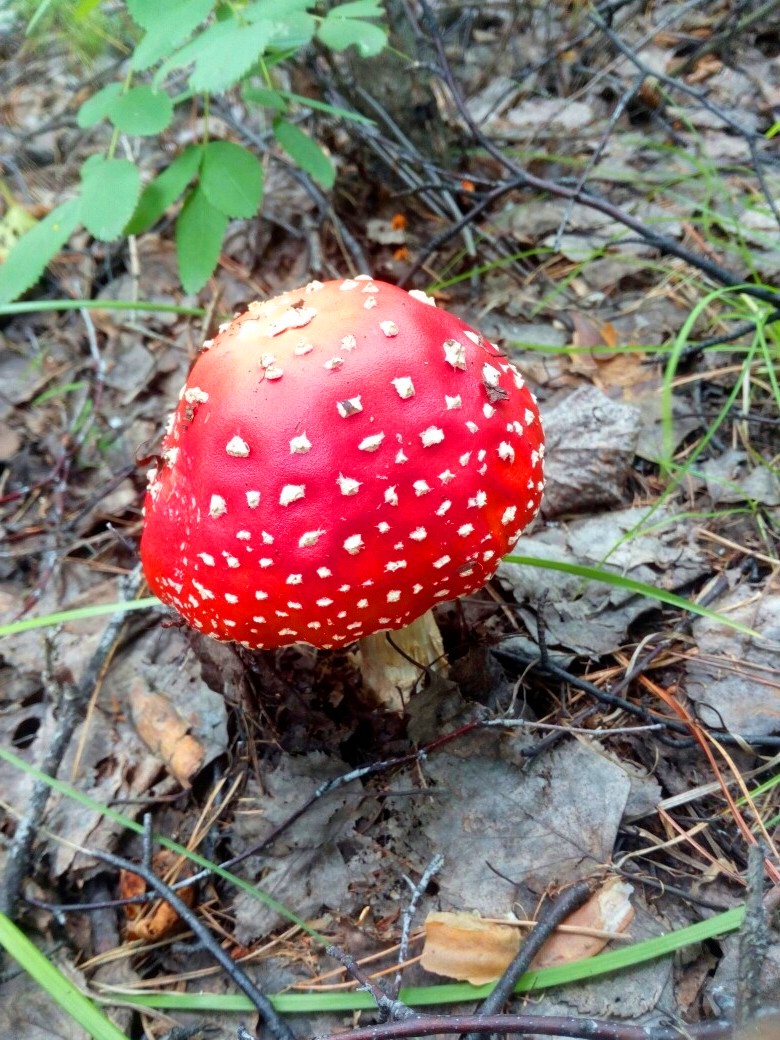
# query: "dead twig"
552, 1025
407, 916
390, 1008
744, 328
265, 1008
551, 916
753, 938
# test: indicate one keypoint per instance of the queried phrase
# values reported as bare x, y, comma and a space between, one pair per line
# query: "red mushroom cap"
342, 458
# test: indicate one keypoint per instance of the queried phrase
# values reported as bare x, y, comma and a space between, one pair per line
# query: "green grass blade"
631, 585
61, 617
33, 306
457, 992
58, 986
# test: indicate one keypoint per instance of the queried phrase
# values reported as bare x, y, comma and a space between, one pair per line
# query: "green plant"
83, 27
194, 49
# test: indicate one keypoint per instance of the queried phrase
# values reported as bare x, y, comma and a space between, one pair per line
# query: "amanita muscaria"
342, 458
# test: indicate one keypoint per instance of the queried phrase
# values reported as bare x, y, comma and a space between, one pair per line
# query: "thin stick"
552, 1025
552, 915
390, 1009
264, 1006
407, 917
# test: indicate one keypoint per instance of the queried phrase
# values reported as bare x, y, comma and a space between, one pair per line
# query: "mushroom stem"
392, 663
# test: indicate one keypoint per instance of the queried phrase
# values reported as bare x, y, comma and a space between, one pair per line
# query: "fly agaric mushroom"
342, 458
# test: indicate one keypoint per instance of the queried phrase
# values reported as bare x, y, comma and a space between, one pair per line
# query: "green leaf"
221, 54
602, 964
275, 9
340, 33
165, 189
293, 28
358, 9
232, 179
110, 190
199, 233
56, 984
278, 99
293, 32
266, 97
39, 12
167, 22
305, 152
99, 105
85, 7
142, 111
25, 263
145, 12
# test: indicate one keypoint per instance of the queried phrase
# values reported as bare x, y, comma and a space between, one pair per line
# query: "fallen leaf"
130, 887
471, 949
608, 910
386, 232
591, 441
165, 732
465, 947
707, 66
153, 921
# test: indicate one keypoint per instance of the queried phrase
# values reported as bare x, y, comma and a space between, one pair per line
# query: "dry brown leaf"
161, 921
462, 946
466, 947
151, 922
609, 334
608, 910
707, 66
130, 887
165, 733
625, 370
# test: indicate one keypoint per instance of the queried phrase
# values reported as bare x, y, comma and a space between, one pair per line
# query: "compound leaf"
232, 179
222, 53
99, 105
305, 152
199, 233
26, 262
167, 23
163, 191
142, 111
110, 190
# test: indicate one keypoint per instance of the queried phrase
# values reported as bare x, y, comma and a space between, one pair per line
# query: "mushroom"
342, 458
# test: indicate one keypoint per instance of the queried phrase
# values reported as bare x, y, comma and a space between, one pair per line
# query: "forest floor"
596, 192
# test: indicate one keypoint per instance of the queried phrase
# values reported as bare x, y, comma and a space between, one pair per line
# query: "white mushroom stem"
389, 676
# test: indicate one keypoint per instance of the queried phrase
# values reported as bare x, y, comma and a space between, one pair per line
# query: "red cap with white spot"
342, 458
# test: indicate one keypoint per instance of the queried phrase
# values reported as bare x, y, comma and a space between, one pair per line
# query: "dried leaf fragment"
466, 947
165, 733
608, 910
462, 946
152, 921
